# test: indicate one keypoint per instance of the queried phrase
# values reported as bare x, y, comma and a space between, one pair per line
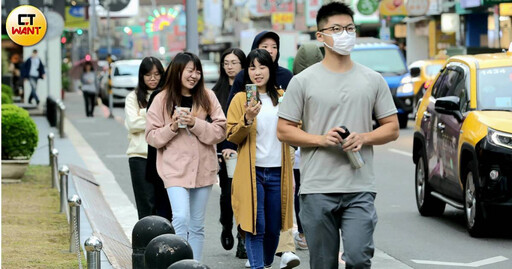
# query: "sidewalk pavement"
74, 149
67, 155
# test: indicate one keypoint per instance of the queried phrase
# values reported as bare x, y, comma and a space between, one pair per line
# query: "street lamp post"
192, 34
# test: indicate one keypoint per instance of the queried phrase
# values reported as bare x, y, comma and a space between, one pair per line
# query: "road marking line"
471, 264
100, 133
120, 156
401, 152
122, 207
489, 261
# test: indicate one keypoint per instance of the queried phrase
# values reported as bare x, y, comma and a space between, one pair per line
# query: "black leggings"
226, 211
90, 99
143, 190
296, 175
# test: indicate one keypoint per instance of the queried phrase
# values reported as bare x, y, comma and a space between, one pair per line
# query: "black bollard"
188, 264
143, 232
166, 249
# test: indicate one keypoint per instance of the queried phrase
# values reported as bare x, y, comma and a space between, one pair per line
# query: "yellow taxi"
422, 73
463, 140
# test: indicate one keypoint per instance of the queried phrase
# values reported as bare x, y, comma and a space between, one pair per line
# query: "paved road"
401, 232
407, 236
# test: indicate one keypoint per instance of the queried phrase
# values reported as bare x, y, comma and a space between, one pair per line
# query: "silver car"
210, 71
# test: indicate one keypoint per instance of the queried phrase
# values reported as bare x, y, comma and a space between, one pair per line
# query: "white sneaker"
289, 260
300, 242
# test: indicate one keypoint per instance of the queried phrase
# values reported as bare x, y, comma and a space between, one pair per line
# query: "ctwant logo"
26, 25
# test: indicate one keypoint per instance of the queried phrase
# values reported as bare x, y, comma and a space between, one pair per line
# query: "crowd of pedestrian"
284, 131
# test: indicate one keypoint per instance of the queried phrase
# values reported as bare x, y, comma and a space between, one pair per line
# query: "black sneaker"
226, 239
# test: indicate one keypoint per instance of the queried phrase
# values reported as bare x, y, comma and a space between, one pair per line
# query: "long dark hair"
173, 84
265, 59
142, 89
222, 86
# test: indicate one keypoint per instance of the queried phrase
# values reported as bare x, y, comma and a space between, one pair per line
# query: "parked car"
210, 71
387, 59
422, 73
463, 141
125, 76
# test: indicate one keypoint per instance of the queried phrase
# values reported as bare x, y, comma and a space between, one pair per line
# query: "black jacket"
283, 75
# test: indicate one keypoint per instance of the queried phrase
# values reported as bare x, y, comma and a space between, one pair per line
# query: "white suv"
125, 77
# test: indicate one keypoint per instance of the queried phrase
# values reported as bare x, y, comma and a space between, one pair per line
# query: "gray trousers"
324, 215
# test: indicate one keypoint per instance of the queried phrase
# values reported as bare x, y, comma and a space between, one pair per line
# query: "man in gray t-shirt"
334, 92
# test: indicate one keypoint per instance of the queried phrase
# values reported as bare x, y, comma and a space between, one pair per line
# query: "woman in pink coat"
185, 142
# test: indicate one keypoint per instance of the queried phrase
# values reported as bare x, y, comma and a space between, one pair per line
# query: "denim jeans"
188, 213
33, 89
262, 246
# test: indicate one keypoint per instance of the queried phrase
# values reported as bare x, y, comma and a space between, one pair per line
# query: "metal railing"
62, 114
60, 180
93, 246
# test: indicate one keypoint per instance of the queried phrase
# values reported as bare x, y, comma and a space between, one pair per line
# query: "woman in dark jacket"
232, 62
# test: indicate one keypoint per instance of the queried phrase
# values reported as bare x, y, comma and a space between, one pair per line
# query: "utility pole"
192, 34
150, 38
109, 59
47, 5
92, 29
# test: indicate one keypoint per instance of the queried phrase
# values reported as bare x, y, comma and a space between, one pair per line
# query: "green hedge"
7, 90
6, 99
19, 133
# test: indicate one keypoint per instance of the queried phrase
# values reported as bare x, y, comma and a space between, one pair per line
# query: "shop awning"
414, 19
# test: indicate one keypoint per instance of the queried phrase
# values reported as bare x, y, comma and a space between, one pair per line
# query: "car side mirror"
449, 105
415, 72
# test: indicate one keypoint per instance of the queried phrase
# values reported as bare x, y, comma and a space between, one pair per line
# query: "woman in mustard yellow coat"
262, 196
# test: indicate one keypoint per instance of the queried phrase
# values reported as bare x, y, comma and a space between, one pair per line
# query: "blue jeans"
33, 89
188, 212
262, 246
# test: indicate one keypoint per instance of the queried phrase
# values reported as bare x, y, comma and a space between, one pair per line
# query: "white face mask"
343, 42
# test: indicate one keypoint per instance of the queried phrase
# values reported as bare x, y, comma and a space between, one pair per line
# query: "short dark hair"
332, 9
34, 51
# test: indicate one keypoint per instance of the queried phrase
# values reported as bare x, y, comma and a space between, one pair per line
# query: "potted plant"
19, 140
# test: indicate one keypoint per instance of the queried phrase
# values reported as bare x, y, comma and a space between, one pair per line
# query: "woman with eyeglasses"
150, 72
185, 140
232, 61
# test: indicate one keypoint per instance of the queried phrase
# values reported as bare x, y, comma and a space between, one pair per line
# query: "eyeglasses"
338, 29
150, 76
226, 64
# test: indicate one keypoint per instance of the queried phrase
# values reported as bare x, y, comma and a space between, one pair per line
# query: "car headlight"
405, 88
499, 138
406, 79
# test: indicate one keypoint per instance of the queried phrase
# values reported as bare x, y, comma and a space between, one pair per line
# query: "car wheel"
427, 204
473, 209
402, 120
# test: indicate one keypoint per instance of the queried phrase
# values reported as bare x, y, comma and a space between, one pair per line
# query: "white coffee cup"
183, 111
230, 165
